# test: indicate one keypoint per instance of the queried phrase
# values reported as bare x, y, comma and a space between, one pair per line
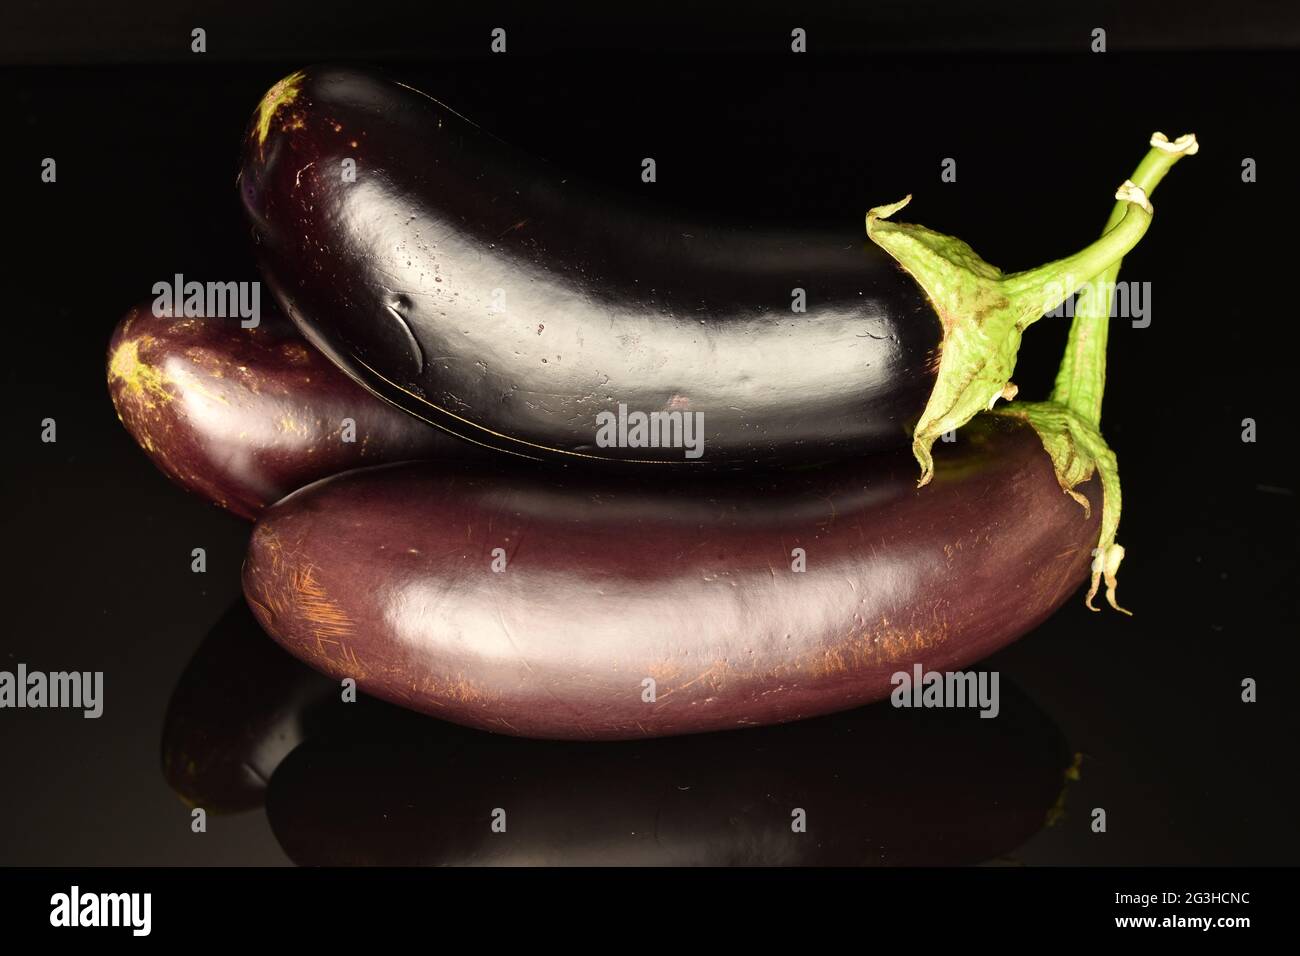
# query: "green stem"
1048, 286
984, 312
1082, 375
1068, 423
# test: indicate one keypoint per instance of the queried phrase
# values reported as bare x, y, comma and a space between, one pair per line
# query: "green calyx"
984, 312
1078, 451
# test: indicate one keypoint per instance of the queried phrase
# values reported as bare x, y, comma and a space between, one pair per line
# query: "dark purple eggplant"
239, 707
518, 307
244, 416
387, 575
876, 787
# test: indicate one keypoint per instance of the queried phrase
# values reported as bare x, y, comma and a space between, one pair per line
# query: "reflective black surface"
871, 787
97, 572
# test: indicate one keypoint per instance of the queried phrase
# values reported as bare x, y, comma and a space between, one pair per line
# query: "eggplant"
515, 306
242, 416
240, 706
877, 787
548, 602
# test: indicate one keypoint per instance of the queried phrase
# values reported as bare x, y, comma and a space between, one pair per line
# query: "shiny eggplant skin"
876, 786
606, 591
243, 416
239, 707
492, 295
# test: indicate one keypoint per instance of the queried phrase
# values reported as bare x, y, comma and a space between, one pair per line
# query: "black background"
97, 569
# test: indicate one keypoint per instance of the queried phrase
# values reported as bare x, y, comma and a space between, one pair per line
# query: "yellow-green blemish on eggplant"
282, 94
138, 376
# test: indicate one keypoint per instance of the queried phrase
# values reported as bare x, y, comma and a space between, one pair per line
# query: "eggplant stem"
1069, 423
1048, 286
1081, 378
984, 312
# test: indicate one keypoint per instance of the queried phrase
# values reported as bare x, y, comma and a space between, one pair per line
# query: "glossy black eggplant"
499, 299
492, 295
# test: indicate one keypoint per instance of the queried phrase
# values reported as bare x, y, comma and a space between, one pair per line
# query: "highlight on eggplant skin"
546, 604
876, 786
243, 416
511, 304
